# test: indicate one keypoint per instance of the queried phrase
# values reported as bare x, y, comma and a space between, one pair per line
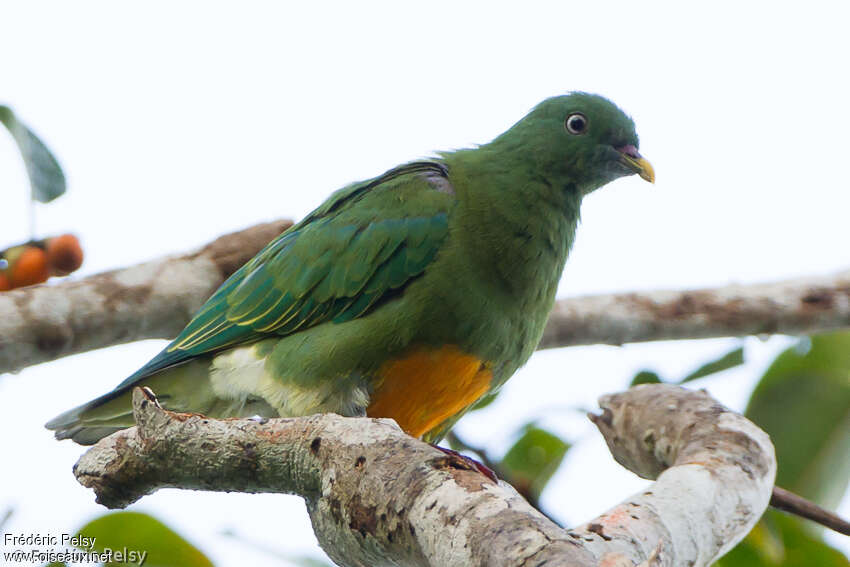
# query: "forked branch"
378, 496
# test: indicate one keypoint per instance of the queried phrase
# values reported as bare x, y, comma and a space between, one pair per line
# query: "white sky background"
177, 122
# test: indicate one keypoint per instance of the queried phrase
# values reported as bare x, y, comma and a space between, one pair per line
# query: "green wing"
359, 248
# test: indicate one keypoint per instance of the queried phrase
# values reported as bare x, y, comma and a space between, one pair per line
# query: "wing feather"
336, 265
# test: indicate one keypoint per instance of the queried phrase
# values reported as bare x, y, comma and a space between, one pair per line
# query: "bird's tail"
185, 388
88, 423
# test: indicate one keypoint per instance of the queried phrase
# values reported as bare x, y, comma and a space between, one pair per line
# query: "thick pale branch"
791, 307
151, 300
157, 299
377, 496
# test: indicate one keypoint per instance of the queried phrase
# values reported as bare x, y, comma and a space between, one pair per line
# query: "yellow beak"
642, 167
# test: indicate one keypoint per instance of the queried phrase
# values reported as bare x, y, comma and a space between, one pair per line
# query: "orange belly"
427, 386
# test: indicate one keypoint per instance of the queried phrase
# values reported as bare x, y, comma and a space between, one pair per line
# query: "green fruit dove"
407, 296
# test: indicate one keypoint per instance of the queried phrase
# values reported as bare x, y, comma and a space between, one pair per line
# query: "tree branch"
787, 501
791, 307
157, 299
151, 300
377, 496
456, 442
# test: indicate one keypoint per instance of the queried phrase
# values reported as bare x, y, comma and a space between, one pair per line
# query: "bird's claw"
470, 463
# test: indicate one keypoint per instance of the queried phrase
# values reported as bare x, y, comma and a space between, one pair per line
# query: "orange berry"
64, 254
30, 268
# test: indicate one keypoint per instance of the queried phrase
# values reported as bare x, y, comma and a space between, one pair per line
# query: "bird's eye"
576, 123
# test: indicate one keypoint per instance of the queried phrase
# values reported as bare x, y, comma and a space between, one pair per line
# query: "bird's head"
581, 139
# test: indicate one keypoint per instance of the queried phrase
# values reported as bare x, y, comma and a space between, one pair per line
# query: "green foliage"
780, 541
46, 178
729, 360
645, 377
803, 403
533, 459
137, 531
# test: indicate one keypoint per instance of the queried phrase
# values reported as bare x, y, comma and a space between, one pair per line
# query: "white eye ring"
576, 123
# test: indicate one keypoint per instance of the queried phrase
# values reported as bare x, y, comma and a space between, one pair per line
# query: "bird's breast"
427, 385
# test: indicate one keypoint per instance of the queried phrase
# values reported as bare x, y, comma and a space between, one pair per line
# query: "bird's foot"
469, 462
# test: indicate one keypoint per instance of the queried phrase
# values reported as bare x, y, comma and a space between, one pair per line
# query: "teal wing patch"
357, 249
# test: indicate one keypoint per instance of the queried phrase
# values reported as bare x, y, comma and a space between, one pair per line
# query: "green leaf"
803, 403
46, 178
729, 360
533, 459
140, 533
780, 541
645, 377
